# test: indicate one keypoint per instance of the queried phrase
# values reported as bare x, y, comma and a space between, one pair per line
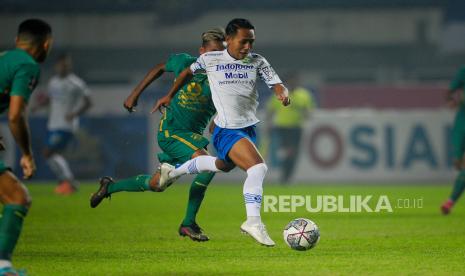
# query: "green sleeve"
459, 80
178, 62
25, 80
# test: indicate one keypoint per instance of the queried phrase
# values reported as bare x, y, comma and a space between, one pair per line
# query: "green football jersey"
19, 75
192, 107
459, 82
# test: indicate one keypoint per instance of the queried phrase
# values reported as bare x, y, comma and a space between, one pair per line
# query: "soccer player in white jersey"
233, 74
68, 97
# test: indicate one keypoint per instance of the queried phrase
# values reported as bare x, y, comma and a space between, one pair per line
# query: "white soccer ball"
301, 234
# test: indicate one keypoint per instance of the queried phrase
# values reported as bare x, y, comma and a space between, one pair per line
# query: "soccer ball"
301, 234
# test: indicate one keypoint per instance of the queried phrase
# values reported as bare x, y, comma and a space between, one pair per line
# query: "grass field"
136, 234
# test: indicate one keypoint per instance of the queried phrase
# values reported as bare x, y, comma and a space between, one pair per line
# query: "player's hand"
163, 102
452, 102
70, 116
29, 166
285, 100
211, 127
130, 104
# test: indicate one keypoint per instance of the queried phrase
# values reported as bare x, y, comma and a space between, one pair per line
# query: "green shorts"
458, 134
178, 146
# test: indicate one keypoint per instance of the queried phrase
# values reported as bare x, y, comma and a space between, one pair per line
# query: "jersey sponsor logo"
232, 75
233, 67
267, 73
191, 97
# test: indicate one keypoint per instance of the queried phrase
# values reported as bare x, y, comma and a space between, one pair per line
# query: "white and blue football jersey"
233, 84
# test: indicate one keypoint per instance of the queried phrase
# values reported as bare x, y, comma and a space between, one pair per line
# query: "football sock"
459, 186
139, 183
199, 164
11, 224
196, 194
60, 167
253, 189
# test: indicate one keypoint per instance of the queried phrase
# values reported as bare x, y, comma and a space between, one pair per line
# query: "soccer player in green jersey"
179, 133
455, 99
19, 74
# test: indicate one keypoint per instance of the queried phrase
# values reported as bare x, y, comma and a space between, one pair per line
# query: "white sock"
60, 167
253, 191
5, 263
199, 164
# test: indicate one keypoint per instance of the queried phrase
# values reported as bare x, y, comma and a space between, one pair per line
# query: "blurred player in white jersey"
233, 74
68, 97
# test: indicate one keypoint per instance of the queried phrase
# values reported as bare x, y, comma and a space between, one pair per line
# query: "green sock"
196, 194
459, 186
138, 183
11, 224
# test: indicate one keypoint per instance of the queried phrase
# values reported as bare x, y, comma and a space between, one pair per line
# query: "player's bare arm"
282, 94
131, 101
182, 79
20, 129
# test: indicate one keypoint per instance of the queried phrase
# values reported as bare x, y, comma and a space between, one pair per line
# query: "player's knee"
20, 197
258, 169
223, 166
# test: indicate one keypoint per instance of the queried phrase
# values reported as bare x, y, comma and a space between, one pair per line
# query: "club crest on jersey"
246, 60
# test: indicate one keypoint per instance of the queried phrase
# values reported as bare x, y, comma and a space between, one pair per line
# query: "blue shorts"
58, 139
225, 138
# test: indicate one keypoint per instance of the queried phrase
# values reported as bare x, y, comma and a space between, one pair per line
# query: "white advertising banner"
369, 145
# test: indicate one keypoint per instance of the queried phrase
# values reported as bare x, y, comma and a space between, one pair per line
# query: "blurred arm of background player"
131, 101
86, 105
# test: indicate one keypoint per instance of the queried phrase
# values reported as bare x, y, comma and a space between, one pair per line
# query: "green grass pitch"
136, 234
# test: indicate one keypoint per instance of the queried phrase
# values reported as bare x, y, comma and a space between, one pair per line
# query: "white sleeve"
198, 66
267, 74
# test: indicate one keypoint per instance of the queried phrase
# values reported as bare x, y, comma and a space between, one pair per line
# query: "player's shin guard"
459, 186
11, 224
196, 195
199, 164
253, 191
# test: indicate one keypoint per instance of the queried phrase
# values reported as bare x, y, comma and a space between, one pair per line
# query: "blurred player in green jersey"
19, 74
455, 99
179, 133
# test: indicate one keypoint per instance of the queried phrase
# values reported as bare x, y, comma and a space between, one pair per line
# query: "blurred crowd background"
376, 71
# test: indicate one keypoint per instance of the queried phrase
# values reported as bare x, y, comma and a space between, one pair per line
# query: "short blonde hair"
215, 34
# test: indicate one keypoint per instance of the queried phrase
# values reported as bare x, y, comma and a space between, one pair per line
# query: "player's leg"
57, 142
16, 200
246, 156
138, 183
458, 142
